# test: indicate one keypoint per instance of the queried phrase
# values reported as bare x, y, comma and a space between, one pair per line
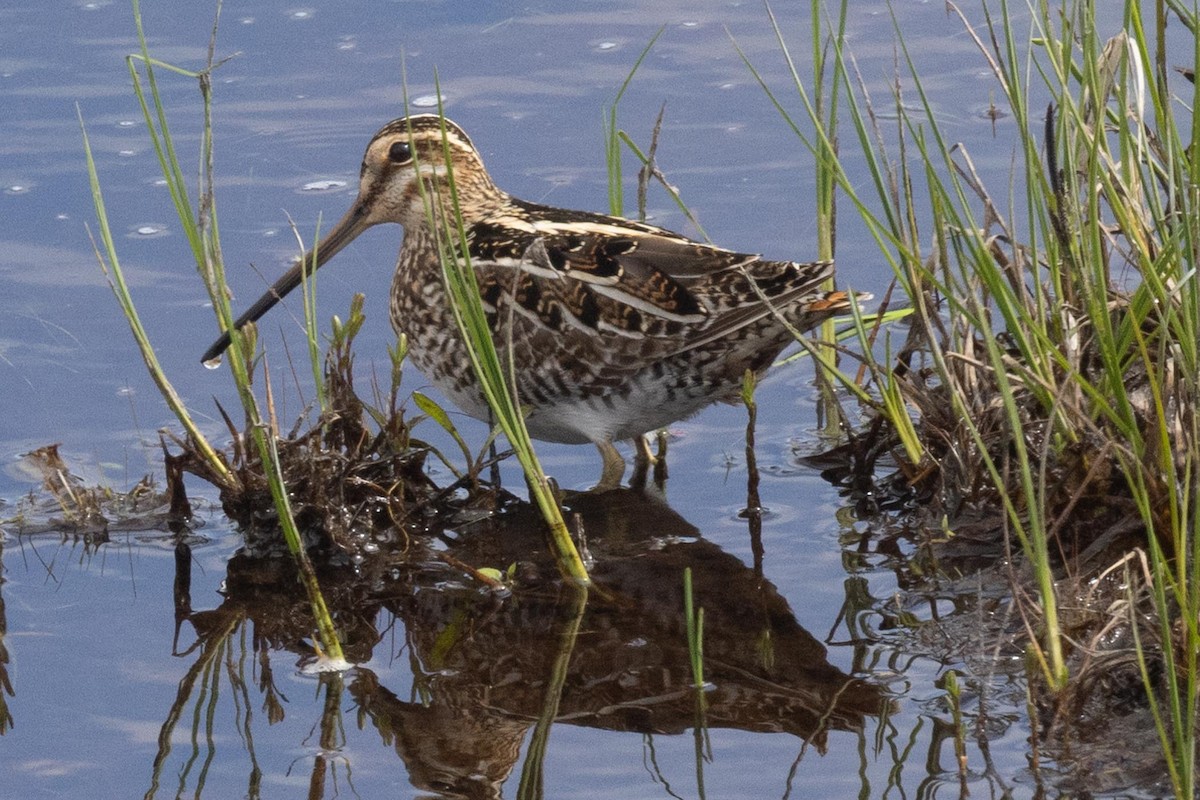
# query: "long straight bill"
348, 227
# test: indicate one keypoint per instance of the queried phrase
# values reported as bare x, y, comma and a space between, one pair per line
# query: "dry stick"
754, 517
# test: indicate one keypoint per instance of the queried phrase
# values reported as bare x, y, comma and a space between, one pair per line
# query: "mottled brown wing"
787, 289
609, 278
574, 270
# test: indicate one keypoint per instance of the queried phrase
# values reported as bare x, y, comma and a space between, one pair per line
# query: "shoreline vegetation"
1043, 397
1022, 403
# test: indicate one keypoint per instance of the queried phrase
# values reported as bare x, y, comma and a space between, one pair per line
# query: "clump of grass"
1050, 369
355, 473
199, 222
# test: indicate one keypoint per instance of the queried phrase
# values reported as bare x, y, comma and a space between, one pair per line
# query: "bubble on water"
127, 153
17, 188
126, 123
212, 363
427, 101
247, 20
323, 185
148, 230
370, 547
126, 391
93, 5
62, 217
302, 13
691, 23
347, 43
604, 47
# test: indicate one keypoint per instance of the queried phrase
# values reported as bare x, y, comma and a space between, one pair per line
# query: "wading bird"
617, 328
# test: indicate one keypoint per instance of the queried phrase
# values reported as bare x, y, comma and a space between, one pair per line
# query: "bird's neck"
470, 197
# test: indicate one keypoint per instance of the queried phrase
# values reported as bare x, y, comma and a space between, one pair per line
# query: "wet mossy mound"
356, 477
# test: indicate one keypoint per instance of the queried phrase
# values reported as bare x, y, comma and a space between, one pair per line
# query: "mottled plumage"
617, 327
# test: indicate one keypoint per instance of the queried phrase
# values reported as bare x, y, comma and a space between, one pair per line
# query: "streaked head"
415, 147
404, 177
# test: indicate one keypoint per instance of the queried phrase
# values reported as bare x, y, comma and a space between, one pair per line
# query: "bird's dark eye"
400, 153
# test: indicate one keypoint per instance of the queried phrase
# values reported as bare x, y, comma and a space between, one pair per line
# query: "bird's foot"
643, 459
613, 468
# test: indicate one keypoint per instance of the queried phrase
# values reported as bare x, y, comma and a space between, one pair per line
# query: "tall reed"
199, 222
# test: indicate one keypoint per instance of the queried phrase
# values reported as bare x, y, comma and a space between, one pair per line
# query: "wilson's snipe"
618, 328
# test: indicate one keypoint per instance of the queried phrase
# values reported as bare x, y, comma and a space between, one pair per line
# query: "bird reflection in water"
484, 663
